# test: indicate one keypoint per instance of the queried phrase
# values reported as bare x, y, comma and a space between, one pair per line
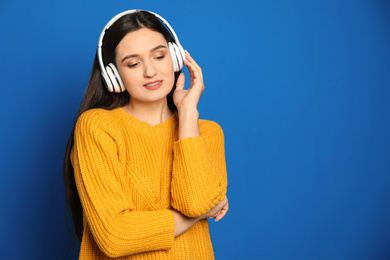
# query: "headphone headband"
180, 56
118, 16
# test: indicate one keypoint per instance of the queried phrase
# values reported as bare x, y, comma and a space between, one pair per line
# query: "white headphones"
110, 73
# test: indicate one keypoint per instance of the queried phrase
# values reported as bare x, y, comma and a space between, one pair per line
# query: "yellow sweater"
129, 174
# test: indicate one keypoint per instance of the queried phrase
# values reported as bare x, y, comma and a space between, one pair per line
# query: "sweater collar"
167, 126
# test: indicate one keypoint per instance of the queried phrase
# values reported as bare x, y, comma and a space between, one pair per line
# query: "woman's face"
145, 65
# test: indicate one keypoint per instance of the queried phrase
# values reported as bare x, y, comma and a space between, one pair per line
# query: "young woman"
142, 172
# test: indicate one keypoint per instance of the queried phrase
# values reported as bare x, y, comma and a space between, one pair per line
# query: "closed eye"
160, 57
132, 65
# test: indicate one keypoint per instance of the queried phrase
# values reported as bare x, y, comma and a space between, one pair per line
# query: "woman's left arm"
186, 100
199, 180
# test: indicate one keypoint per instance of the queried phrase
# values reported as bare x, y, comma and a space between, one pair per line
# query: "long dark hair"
97, 96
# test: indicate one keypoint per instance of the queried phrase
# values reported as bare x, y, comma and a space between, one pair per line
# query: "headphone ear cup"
109, 84
181, 54
174, 58
177, 55
116, 84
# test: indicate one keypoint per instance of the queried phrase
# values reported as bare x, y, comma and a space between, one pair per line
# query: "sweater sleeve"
199, 179
117, 227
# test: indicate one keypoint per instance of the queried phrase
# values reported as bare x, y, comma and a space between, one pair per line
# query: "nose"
149, 69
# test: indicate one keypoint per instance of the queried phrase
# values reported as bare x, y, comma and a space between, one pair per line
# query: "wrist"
188, 123
182, 222
187, 114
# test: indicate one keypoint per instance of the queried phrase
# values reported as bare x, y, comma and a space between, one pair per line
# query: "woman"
142, 173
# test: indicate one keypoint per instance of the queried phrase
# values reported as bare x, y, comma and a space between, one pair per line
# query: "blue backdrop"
301, 89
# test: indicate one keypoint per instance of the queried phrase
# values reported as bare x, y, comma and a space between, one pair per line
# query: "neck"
152, 113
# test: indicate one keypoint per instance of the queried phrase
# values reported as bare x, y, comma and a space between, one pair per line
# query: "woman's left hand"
188, 99
219, 211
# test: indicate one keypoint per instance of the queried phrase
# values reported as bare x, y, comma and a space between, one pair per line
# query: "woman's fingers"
222, 212
219, 211
180, 82
194, 69
195, 73
189, 97
193, 62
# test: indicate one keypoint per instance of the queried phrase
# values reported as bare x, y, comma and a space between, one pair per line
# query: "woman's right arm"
118, 228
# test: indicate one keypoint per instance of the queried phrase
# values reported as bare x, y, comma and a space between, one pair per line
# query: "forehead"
140, 41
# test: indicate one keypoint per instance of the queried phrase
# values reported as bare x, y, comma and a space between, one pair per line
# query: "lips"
153, 85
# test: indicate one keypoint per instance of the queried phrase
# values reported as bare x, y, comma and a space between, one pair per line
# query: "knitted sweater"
130, 174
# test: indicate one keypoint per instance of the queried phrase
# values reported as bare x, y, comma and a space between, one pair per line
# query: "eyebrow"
136, 55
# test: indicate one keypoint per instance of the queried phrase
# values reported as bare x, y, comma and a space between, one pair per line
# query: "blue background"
301, 89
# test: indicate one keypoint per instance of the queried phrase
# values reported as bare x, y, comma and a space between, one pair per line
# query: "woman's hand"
183, 223
187, 99
219, 211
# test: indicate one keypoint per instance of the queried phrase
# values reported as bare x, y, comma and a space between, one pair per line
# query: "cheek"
170, 74
130, 80
167, 70
171, 82
129, 75
169, 63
